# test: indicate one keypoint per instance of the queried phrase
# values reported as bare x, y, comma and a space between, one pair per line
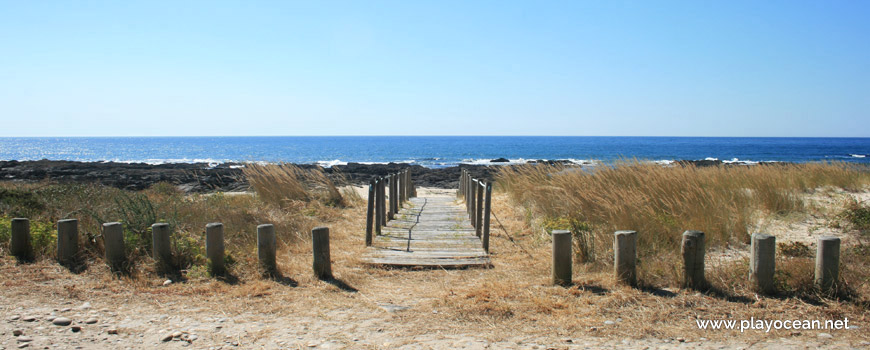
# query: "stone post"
562, 260
827, 262
113, 241
267, 247
67, 241
320, 248
214, 248
693, 260
161, 246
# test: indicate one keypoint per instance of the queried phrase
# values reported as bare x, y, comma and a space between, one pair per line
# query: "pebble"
61, 321
66, 310
167, 282
825, 335
28, 318
24, 339
14, 318
23, 345
608, 322
85, 306
17, 332
166, 337
50, 318
112, 331
177, 334
76, 329
91, 321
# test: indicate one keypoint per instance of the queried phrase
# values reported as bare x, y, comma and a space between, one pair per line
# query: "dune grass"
662, 202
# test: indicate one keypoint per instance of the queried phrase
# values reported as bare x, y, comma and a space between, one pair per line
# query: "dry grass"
662, 202
283, 184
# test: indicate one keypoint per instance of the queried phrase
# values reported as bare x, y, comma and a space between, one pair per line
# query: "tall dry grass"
282, 184
661, 202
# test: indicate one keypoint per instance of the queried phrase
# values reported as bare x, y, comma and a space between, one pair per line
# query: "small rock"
76, 329
608, 322
825, 335
681, 340
61, 321
24, 339
167, 282
177, 334
166, 337
66, 309
568, 340
14, 318
50, 318
17, 332
85, 306
112, 331
91, 321
192, 337
23, 345
28, 318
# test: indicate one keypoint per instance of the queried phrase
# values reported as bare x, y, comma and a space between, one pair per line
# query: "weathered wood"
214, 248
113, 242
433, 232
370, 213
379, 207
473, 198
762, 263
625, 256
322, 264
478, 212
693, 260
562, 257
20, 244
267, 248
161, 245
827, 262
486, 213
67, 241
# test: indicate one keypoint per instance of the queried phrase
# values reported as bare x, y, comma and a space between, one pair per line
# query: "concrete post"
214, 248
113, 241
486, 212
625, 256
693, 260
20, 245
67, 241
370, 213
762, 263
320, 248
267, 247
827, 262
562, 257
161, 245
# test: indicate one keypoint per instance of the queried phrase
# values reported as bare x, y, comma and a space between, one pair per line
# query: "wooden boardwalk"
432, 231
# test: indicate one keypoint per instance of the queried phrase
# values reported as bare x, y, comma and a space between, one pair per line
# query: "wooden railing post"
393, 197
214, 248
21, 245
322, 264
625, 256
267, 248
827, 262
461, 183
762, 262
161, 246
693, 260
486, 211
113, 242
67, 241
370, 212
562, 261
379, 205
472, 214
478, 214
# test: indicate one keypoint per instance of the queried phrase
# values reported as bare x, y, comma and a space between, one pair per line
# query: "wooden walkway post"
472, 212
486, 212
762, 263
461, 183
113, 240
625, 256
562, 261
370, 212
693, 260
214, 248
478, 215
267, 249
827, 262
21, 245
393, 209
67, 241
160, 245
320, 247
380, 216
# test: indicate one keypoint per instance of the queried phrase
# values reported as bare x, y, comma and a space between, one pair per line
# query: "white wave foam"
489, 161
858, 155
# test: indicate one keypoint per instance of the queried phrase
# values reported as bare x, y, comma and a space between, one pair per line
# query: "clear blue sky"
689, 68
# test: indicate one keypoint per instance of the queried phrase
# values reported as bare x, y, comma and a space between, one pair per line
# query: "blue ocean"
431, 151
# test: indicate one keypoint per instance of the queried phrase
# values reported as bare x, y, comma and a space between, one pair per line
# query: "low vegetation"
660, 203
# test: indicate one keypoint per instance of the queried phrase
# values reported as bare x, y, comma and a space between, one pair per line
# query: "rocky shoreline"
227, 177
